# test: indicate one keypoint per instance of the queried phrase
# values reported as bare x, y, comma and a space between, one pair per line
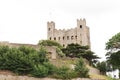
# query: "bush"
21, 60
51, 68
64, 73
81, 69
15, 61
60, 53
40, 71
50, 43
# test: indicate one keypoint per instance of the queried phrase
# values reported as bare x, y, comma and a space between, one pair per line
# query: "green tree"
21, 60
53, 43
102, 66
49, 43
81, 68
113, 54
15, 60
76, 50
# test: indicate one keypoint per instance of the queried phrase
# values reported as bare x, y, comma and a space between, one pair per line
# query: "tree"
113, 54
76, 50
102, 66
49, 43
53, 43
81, 69
91, 57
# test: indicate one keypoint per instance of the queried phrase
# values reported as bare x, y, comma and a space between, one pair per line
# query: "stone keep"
79, 34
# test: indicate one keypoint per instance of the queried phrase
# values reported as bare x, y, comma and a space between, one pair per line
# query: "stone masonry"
79, 34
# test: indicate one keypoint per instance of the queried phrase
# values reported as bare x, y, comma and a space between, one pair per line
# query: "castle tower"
79, 34
50, 30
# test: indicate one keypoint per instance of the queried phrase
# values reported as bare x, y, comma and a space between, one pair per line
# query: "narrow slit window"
58, 38
49, 29
80, 42
54, 38
71, 37
50, 38
67, 37
63, 37
75, 37
80, 26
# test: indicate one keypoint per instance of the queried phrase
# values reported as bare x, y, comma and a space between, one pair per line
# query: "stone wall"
79, 34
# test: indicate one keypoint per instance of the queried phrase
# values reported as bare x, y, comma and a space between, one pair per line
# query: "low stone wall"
10, 77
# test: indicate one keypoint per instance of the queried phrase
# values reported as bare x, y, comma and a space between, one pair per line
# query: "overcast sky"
25, 21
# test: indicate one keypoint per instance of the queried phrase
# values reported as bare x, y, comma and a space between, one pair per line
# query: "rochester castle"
80, 34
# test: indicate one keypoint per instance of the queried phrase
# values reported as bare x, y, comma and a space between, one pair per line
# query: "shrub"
51, 68
40, 71
60, 53
81, 69
49, 43
21, 60
15, 61
64, 73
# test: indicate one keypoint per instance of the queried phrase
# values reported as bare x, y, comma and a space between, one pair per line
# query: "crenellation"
79, 34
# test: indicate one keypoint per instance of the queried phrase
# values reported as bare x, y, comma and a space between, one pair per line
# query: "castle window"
80, 26
75, 37
63, 37
80, 42
49, 29
58, 38
72, 37
63, 45
50, 38
67, 37
54, 38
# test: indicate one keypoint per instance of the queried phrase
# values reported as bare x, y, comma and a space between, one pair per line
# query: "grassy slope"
68, 61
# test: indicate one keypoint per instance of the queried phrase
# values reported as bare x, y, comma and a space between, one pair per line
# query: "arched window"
67, 37
76, 37
80, 26
58, 38
63, 37
80, 42
49, 29
50, 38
71, 37
54, 38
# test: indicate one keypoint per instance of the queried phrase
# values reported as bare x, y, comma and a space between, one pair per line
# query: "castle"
79, 34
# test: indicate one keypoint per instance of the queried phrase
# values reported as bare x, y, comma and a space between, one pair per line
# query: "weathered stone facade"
79, 34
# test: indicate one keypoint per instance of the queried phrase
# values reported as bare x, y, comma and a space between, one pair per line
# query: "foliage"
51, 68
49, 43
15, 61
60, 53
114, 42
20, 60
40, 71
113, 54
76, 50
81, 69
64, 73
53, 43
102, 66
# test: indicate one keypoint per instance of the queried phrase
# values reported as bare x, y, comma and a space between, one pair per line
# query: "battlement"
79, 34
